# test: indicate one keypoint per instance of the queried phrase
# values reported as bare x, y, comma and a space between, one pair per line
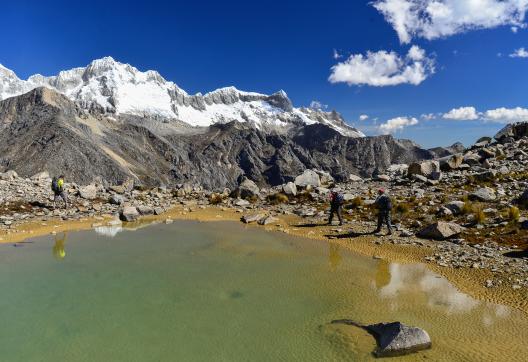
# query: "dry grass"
278, 198
514, 214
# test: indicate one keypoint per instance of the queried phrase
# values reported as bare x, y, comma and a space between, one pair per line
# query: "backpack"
337, 198
55, 184
384, 203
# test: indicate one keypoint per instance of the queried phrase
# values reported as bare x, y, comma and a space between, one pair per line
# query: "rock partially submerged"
394, 339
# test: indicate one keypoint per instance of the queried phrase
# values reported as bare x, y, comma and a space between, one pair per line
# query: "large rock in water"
394, 339
397, 339
426, 168
308, 178
441, 231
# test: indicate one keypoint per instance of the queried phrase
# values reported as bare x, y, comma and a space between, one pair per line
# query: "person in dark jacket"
336, 206
384, 205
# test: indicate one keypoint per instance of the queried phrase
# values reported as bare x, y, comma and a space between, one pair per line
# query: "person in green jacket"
57, 186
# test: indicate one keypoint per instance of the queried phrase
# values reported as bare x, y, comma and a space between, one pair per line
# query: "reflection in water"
58, 248
409, 279
109, 231
383, 275
334, 257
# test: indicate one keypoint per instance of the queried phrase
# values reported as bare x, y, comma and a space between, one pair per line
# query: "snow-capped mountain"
108, 86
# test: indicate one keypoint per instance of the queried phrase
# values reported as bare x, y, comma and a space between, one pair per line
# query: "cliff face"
44, 130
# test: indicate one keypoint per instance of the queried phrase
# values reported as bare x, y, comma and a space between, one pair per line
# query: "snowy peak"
108, 86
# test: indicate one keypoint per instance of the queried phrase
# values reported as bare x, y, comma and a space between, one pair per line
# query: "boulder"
88, 192
248, 189
248, 219
242, 202
425, 168
159, 210
472, 159
268, 220
308, 178
145, 210
455, 207
129, 213
116, 199
486, 153
394, 339
289, 189
451, 163
354, 178
483, 194
440, 231
383, 178
397, 339
486, 176
325, 177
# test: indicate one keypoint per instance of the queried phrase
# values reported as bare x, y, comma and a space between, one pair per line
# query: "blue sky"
267, 46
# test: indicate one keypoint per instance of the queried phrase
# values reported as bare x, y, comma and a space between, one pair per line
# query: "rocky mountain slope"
43, 130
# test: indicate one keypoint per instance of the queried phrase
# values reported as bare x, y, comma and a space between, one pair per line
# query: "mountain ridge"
110, 87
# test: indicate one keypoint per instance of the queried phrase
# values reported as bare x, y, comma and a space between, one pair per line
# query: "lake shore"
468, 280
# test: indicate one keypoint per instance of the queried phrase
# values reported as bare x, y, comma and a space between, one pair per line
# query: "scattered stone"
129, 213
440, 231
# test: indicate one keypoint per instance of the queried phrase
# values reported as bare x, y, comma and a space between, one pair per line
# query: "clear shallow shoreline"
157, 286
470, 281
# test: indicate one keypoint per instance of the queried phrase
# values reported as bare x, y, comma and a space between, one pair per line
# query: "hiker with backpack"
384, 205
57, 186
336, 205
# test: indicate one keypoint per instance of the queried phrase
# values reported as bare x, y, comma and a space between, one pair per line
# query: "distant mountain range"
116, 88
109, 121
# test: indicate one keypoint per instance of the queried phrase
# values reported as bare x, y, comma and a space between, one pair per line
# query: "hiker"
57, 186
384, 205
336, 205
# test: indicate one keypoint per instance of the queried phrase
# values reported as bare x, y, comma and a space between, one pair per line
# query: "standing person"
336, 205
57, 186
384, 205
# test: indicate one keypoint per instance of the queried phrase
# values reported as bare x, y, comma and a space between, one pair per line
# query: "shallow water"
219, 292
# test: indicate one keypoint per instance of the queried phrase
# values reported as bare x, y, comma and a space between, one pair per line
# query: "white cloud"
318, 105
519, 53
432, 19
337, 55
397, 124
363, 117
462, 114
384, 68
506, 115
428, 116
